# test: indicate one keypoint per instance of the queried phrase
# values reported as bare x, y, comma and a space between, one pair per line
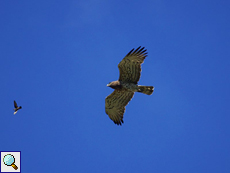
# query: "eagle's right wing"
115, 104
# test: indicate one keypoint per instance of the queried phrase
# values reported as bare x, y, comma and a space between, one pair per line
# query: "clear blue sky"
58, 56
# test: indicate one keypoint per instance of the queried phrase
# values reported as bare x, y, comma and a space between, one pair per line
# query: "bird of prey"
16, 107
126, 85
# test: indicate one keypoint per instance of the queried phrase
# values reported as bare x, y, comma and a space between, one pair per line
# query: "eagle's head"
114, 85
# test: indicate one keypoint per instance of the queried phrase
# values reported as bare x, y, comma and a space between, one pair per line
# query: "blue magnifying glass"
9, 161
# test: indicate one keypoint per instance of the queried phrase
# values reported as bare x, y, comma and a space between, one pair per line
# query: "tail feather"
145, 89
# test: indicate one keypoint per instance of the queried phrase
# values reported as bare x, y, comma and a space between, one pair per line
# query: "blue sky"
58, 56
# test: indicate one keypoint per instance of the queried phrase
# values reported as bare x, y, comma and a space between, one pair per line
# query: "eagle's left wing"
130, 66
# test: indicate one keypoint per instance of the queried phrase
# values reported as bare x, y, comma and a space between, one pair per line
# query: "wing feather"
115, 104
15, 104
130, 66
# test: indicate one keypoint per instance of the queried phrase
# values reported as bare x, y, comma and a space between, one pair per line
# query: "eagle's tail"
145, 89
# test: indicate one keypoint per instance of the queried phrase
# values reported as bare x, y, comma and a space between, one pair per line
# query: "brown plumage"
126, 86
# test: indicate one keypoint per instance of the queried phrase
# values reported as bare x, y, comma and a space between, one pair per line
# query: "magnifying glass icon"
9, 161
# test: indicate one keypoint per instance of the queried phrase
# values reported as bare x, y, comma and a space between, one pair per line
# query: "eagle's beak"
107, 85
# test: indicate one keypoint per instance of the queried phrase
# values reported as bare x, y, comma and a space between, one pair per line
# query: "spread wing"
115, 104
15, 104
130, 66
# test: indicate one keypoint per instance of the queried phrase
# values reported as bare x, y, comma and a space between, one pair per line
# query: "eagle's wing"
15, 104
130, 66
115, 104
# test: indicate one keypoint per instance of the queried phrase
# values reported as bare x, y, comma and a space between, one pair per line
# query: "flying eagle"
16, 107
126, 85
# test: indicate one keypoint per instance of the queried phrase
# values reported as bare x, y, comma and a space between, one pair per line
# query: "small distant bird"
16, 107
126, 85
